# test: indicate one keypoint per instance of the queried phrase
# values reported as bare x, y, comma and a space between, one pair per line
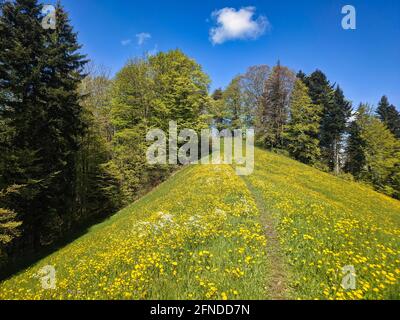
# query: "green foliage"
147, 94
355, 158
233, 101
9, 223
379, 151
253, 87
389, 116
302, 130
335, 115
273, 112
218, 111
181, 90
40, 72
97, 189
237, 106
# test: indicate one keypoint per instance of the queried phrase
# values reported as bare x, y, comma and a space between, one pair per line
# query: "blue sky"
302, 34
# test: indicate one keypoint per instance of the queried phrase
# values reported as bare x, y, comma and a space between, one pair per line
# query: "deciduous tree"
302, 130
274, 110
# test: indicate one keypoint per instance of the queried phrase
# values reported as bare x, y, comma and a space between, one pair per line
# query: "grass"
325, 224
286, 231
195, 237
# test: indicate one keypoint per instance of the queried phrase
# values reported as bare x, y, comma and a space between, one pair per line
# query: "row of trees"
41, 121
72, 140
313, 121
147, 93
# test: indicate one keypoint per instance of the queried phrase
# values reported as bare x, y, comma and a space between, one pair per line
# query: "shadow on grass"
17, 265
31, 257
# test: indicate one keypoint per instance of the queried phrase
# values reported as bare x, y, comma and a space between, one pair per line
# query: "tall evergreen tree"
64, 125
336, 111
389, 116
273, 112
301, 76
39, 76
303, 127
334, 127
355, 157
9, 224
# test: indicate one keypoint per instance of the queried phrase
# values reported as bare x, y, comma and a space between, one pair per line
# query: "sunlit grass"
198, 236
325, 224
195, 237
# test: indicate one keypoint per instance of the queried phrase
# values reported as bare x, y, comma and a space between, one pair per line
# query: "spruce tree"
355, 157
9, 224
65, 125
22, 44
334, 127
301, 76
389, 116
336, 111
39, 75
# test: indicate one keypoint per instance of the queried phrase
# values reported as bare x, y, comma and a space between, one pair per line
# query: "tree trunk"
336, 156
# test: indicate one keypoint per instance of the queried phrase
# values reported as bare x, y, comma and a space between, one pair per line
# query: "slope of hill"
287, 231
197, 236
328, 229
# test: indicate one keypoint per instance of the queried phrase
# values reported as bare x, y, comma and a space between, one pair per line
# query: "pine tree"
303, 128
389, 116
274, 109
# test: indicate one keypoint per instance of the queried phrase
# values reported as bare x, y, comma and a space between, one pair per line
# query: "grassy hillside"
325, 224
196, 237
284, 232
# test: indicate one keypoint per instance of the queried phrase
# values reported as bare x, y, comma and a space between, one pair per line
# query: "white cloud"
235, 24
126, 42
142, 37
